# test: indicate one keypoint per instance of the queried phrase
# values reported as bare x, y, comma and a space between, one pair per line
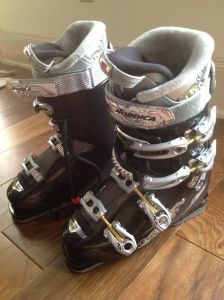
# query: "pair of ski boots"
162, 156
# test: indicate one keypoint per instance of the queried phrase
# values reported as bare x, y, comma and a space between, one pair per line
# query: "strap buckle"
122, 241
30, 168
42, 107
201, 133
33, 88
205, 161
158, 214
56, 144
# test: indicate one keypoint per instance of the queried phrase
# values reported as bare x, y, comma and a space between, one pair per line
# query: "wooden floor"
183, 263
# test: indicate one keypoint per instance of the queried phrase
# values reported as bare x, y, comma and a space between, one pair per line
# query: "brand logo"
135, 117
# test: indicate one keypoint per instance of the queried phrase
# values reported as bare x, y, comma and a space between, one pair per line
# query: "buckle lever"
159, 216
122, 241
30, 168
56, 144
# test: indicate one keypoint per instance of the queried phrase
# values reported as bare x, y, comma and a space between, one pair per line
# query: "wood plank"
5, 216
16, 269
180, 271
207, 229
10, 160
105, 282
40, 240
13, 109
23, 131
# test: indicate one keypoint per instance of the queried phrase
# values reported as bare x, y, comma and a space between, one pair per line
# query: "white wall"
23, 21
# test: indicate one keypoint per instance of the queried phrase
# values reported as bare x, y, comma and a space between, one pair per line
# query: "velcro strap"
58, 85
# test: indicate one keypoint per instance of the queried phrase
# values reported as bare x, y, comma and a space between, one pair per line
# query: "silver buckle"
124, 181
28, 87
42, 107
119, 168
205, 127
205, 160
122, 241
74, 227
54, 126
143, 149
16, 185
30, 168
160, 183
56, 144
174, 210
158, 214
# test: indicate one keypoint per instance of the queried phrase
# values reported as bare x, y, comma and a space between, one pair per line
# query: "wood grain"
105, 282
17, 270
180, 271
207, 229
5, 217
40, 240
23, 131
10, 160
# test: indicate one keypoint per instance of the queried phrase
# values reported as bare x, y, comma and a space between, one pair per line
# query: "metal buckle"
203, 131
124, 181
28, 87
158, 214
30, 168
160, 183
53, 125
42, 107
16, 185
56, 144
143, 149
205, 161
122, 241
174, 210
118, 168
74, 227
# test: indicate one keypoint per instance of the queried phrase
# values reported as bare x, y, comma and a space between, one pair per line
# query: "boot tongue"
131, 61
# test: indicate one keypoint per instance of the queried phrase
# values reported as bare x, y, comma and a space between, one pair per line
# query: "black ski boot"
162, 156
69, 86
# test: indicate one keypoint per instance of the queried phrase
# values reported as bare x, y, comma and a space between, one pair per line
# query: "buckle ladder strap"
31, 168
201, 133
56, 144
58, 85
120, 238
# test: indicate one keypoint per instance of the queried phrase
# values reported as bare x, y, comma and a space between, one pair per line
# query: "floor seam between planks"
184, 238
21, 250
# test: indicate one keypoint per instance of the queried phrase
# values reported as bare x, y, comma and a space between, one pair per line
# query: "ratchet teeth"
118, 168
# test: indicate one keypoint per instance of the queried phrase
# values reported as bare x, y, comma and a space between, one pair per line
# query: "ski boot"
68, 87
162, 156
